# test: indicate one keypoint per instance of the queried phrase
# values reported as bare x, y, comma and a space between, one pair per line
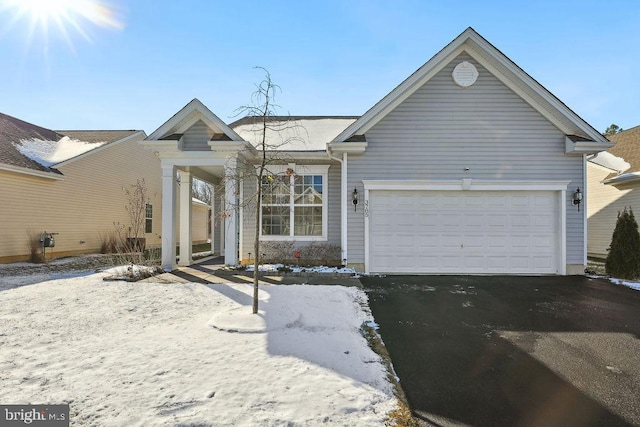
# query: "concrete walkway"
211, 270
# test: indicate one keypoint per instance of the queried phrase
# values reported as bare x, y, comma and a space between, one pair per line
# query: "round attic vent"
465, 74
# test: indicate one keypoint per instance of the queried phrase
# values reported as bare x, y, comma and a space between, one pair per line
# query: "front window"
293, 205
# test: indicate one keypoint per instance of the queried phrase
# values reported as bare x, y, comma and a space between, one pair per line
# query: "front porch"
210, 271
195, 143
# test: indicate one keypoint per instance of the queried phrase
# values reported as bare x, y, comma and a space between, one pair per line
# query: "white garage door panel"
513, 232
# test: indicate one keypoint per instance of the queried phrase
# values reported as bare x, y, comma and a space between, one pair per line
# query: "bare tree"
131, 237
270, 135
201, 190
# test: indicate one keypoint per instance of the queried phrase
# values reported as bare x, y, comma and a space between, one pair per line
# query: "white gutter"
624, 178
33, 172
343, 197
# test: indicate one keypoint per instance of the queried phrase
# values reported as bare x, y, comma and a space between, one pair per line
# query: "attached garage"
452, 231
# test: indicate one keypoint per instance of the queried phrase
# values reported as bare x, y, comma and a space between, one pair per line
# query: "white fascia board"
521, 75
348, 147
626, 178
32, 172
161, 146
193, 158
231, 146
465, 184
300, 169
101, 148
401, 92
299, 155
188, 115
585, 147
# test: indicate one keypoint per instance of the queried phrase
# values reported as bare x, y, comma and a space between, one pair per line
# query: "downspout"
343, 197
585, 218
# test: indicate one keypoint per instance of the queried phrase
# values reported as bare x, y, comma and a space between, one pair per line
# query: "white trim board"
465, 184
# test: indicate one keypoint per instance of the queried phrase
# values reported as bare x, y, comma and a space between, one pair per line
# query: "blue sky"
329, 57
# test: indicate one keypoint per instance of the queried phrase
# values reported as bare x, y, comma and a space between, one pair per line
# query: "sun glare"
63, 14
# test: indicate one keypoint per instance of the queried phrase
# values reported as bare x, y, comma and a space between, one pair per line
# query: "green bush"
623, 260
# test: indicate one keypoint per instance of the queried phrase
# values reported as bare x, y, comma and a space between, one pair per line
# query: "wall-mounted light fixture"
577, 198
354, 199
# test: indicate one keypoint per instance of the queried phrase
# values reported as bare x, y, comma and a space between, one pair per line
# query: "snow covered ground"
273, 268
161, 354
627, 283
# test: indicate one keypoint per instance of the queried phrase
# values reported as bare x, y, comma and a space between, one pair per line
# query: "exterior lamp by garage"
354, 199
577, 198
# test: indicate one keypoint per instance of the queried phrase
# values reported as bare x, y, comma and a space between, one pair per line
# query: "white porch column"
186, 195
231, 213
168, 218
221, 213
213, 218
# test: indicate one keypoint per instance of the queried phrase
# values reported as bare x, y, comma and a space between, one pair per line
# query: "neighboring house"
72, 183
469, 166
614, 184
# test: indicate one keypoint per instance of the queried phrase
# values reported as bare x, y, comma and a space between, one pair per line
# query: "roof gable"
501, 67
189, 115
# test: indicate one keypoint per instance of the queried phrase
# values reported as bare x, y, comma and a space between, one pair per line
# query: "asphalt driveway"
487, 351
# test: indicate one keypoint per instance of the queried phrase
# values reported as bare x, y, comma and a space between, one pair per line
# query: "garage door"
477, 232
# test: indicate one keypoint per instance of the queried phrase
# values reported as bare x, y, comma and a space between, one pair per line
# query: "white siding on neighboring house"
199, 225
200, 218
443, 129
605, 201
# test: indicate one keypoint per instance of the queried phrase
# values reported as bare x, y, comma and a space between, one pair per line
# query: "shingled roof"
628, 147
13, 130
18, 138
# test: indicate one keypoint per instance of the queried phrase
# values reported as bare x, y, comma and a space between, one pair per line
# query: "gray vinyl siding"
441, 129
196, 137
333, 211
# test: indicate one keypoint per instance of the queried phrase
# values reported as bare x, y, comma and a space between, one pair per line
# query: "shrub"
108, 242
623, 260
35, 246
315, 253
324, 253
274, 252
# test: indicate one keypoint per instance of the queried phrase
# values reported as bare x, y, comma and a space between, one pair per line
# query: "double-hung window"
148, 218
294, 203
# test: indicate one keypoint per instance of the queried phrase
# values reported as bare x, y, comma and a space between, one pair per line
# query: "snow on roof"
610, 161
292, 133
49, 153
